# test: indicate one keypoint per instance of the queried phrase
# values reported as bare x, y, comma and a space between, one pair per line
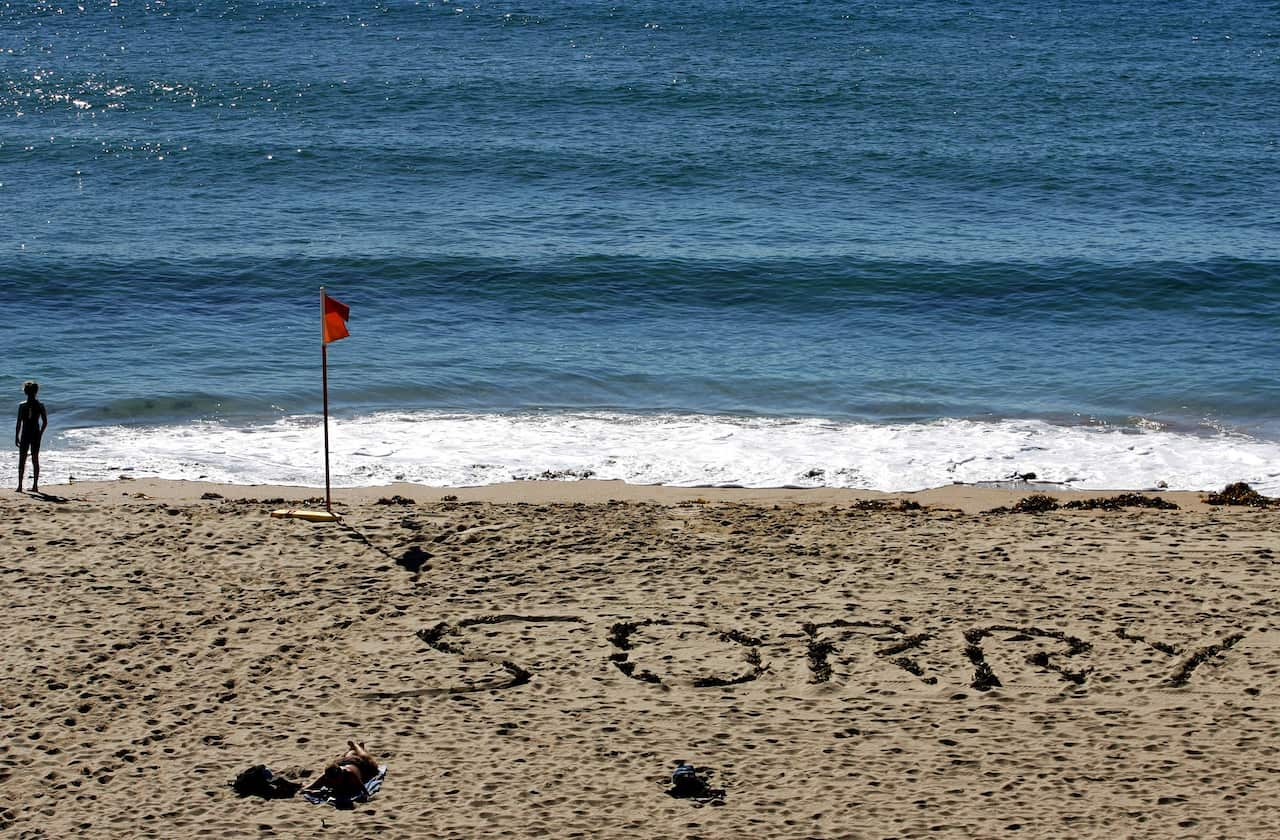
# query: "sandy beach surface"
531, 660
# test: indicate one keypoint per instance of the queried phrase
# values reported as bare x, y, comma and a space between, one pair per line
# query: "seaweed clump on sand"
1124, 500
1036, 503
241, 503
1241, 494
900, 505
1040, 503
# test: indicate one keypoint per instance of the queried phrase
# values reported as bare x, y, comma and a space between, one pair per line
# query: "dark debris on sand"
395, 500
1241, 494
1040, 503
274, 500
885, 504
1124, 500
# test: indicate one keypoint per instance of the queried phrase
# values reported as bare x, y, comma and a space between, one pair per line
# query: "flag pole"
324, 383
326, 515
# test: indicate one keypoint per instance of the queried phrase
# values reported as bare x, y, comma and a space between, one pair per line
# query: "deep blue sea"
818, 243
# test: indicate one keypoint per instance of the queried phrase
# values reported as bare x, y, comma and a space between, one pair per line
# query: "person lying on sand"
345, 777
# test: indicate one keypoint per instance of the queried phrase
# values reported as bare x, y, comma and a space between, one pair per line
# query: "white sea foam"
473, 449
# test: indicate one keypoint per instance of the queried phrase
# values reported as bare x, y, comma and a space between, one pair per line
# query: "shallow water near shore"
835, 245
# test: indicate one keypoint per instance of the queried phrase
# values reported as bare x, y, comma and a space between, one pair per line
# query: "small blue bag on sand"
686, 782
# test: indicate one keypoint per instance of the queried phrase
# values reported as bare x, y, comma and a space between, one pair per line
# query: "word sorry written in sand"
508, 650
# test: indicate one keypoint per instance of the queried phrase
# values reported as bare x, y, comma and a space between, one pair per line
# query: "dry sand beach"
531, 660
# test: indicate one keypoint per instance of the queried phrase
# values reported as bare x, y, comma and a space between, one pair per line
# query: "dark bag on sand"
685, 781
259, 781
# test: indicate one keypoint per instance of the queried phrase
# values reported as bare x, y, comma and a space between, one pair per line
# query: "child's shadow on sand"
40, 495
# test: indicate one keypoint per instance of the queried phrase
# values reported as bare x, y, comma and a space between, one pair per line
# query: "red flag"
334, 323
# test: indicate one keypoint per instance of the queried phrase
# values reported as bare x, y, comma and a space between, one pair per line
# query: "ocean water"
850, 244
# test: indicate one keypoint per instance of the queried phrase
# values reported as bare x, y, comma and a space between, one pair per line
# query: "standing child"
32, 420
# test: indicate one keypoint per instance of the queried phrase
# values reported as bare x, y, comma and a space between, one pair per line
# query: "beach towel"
324, 796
